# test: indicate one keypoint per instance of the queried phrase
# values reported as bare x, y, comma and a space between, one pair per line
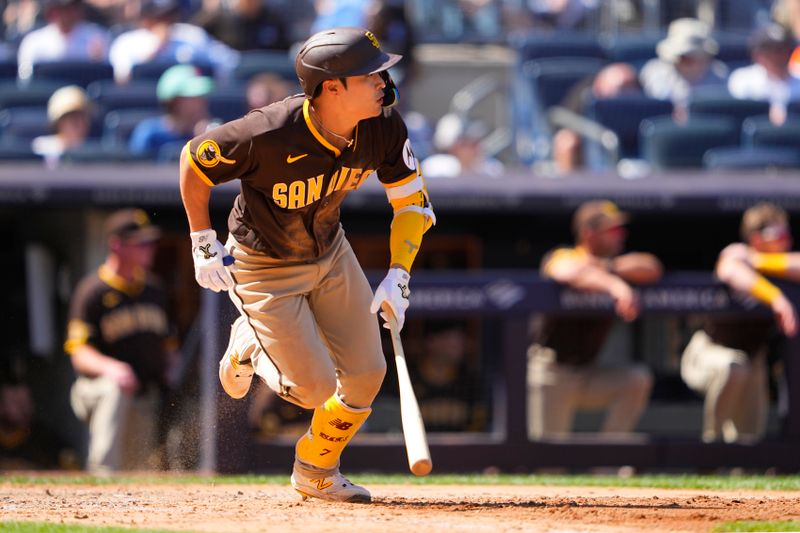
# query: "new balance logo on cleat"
321, 483
338, 424
334, 488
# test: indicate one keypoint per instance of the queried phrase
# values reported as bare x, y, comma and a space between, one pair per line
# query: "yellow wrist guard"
406, 237
775, 264
764, 291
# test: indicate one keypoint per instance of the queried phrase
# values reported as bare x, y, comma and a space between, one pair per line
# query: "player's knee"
738, 373
318, 394
640, 382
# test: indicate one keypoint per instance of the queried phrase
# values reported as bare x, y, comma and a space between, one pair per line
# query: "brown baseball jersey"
126, 321
575, 338
293, 181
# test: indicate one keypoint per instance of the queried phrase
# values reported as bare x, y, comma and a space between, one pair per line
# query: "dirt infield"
396, 508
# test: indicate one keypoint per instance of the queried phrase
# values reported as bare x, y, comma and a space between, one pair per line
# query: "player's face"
138, 253
608, 241
364, 96
773, 239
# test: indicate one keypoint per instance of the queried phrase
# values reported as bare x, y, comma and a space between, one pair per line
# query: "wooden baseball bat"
419, 456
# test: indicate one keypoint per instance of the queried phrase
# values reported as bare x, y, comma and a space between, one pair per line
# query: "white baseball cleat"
333, 487
235, 368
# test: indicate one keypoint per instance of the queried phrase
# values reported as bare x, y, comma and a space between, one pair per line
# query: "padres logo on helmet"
208, 155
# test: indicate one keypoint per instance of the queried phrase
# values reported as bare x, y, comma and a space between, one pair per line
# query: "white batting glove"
210, 259
394, 291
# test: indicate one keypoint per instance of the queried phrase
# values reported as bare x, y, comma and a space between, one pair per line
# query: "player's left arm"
638, 267
784, 265
412, 216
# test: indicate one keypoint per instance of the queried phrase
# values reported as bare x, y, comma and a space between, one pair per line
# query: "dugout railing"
512, 297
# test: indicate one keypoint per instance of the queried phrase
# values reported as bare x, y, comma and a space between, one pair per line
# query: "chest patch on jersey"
408, 156
209, 154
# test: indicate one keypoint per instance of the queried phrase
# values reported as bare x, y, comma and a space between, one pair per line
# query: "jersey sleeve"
224, 153
556, 255
83, 326
399, 167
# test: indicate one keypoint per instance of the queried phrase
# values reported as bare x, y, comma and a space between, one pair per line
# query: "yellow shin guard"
332, 427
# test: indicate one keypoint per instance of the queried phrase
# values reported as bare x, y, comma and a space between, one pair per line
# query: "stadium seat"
108, 96
169, 152
734, 49
119, 124
759, 131
551, 79
556, 44
228, 104
634, 49
8, 70
624, 114
72, 72
253, 62
726, 106
35, 94
541, 84
15, 150
666, 144
96, 152
23, 123
749, 157
153, 70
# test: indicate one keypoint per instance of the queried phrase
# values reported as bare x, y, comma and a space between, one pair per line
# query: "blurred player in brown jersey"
120, 341
563, 376
726, 360
307, 324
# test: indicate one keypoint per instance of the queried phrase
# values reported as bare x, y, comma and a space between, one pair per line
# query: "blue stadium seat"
253, 62
666, 145
96, 152
228, 103
169, 152
623, 115
72, 72
751, 157
108, 96
734, 49
556, 44
726, 106
153, 70
634, 49
34, 94
23, 123
540, 84
8, 69
15, 150
759, 131
551, 79
120, 123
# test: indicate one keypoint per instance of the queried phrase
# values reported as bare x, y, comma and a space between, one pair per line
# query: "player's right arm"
83, 338
89, 361
736, 268
582, 271
195, 194
207, 252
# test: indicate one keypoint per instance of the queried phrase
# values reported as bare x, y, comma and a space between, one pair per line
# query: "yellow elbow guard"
406, 237
772, 264
764, 291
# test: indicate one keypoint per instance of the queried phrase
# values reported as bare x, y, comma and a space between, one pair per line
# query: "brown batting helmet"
342, 52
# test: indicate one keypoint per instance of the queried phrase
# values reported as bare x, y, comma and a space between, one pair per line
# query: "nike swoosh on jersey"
291, 159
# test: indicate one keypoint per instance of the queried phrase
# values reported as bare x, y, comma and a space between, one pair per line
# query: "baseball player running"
307, 324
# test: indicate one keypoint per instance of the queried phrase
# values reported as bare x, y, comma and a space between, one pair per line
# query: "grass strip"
679, 481
758, 526
43, 527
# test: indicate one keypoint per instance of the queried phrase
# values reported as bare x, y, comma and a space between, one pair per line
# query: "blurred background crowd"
579, 84
489, 88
